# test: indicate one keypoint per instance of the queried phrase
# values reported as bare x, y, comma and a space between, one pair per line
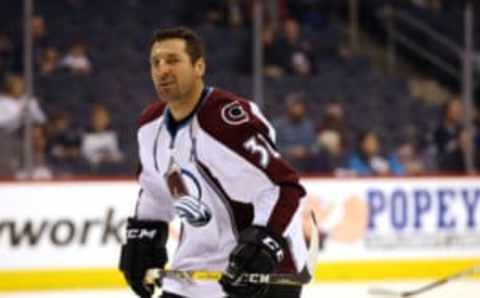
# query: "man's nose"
162, 69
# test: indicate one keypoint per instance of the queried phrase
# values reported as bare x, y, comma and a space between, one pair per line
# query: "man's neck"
182, 108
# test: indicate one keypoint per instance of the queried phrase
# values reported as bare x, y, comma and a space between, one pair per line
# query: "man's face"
296, 110
101, 120
172, 71
38, 26
455, 111
16, 87
370, 145
292, 30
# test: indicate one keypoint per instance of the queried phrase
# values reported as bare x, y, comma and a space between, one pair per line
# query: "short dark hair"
194, 44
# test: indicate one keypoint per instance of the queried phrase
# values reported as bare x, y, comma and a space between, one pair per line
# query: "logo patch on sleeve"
234, 114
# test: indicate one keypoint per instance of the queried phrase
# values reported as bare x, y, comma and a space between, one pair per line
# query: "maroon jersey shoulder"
232, 121
151, 113
224, 112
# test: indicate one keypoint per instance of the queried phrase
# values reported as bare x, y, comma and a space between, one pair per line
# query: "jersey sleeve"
239, 151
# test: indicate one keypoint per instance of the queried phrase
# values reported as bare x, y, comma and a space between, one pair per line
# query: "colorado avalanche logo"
234, 114
186, 190
193, 211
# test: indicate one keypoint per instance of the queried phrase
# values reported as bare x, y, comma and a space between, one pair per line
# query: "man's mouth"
166, 84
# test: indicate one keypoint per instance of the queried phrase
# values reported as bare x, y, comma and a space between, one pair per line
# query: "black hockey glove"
258, 251
144, 249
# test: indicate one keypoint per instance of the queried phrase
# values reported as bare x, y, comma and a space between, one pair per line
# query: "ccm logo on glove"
140, 233
275, 247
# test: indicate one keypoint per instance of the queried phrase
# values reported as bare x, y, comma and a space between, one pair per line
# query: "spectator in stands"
332, 140
413, 157
40, 167
333, 119
272, 64
453, 160
452, 141
76, 60
446, 137
49, 62
100, 145
272, 59
286, 54
296, 133
63, 147
367, 160
14, 106
297, 52
410, 158
39, 30
328, 153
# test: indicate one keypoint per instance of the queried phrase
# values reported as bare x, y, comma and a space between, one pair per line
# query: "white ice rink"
455, 289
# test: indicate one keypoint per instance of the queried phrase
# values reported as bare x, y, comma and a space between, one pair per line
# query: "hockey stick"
386, 292
294, 279
156, 275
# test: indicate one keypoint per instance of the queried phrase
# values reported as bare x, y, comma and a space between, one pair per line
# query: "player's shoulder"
151, 112
224, 111
221, 101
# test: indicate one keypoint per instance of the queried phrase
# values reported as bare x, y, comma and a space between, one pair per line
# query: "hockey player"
209, 157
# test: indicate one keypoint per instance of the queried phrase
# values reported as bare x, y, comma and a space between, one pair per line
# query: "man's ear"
200, 67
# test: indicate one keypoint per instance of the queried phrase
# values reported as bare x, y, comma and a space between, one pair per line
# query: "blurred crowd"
327, 145
59, 148
334, 113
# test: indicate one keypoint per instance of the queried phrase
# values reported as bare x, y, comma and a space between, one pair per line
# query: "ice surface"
455, 289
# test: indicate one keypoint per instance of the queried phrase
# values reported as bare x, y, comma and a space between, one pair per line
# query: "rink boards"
67, 234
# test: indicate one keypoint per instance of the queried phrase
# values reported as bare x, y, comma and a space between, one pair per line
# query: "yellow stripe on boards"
60, 279
29, 280
390, 270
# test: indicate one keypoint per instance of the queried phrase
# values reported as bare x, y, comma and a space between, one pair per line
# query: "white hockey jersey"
226, 158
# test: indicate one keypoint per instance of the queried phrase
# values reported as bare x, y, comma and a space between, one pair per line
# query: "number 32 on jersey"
258, 145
